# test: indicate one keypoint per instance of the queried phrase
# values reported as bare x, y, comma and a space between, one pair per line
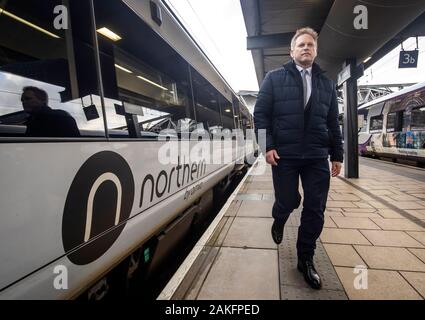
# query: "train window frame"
414, 111
398, 122
372, 129
391, 127
228, 112
207, 101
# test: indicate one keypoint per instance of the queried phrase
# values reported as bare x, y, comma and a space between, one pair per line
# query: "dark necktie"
304, 73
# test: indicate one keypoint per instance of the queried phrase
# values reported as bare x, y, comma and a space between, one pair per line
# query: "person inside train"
44, 121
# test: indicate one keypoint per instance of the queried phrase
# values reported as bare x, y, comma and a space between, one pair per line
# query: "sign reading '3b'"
408, 59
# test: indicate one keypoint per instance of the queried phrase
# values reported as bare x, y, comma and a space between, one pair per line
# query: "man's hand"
272, 157
336, 168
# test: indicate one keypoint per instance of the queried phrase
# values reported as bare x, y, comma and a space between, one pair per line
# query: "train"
95, 99
393, 126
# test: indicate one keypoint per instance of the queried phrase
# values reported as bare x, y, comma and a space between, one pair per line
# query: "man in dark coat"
44, 121
297, 110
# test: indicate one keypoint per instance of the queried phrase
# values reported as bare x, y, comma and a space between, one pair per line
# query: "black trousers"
315, 178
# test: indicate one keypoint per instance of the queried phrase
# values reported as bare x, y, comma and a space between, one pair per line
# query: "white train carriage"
93, 95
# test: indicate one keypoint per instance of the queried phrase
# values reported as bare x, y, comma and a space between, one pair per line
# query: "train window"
42, 91
391, 122
418, 119
376, 124
207, 101
149, 83
405, 120
395, 121
228, 114
238, 113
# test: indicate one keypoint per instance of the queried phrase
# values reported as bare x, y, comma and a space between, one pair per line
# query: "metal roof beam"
277, 40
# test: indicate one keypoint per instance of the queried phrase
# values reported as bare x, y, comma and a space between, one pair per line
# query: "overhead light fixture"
109, 34
122, 68
27, 23
228, 110
367, 59
152, 83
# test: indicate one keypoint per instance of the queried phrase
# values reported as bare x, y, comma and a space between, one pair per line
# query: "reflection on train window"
376, 124
213, 110
238, 115
406, 120
228, 113
147, 83
418, 119
40, 90
395, 121
207, 102
391, 122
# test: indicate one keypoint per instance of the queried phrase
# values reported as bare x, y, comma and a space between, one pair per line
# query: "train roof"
393, 95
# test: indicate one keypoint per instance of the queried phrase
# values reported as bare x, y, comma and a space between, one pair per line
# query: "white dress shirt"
308, 77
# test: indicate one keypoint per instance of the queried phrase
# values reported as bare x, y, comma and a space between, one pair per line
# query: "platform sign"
133, 109
408, 59
344, 75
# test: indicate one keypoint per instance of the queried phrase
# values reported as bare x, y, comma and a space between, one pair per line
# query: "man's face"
30, 102
305, 50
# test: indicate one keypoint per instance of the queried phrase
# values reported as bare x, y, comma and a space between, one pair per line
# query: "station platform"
376, 221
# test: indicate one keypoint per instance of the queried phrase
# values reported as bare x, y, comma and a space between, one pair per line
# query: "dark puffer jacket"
294, 132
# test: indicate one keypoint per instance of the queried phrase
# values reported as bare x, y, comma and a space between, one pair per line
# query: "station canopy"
271, 24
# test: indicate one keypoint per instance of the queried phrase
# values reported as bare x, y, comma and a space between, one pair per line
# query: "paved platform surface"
372, 245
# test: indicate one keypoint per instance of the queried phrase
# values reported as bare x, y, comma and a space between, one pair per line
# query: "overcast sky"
219, 28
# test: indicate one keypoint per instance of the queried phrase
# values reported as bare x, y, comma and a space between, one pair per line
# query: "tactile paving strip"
297, 293
293, 285
293, 220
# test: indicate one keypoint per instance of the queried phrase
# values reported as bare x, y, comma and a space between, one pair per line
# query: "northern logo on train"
97, 206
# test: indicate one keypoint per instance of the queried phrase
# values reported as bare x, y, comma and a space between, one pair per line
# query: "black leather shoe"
306, 267
277, 232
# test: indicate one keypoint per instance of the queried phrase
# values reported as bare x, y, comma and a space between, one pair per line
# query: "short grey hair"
300, 32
